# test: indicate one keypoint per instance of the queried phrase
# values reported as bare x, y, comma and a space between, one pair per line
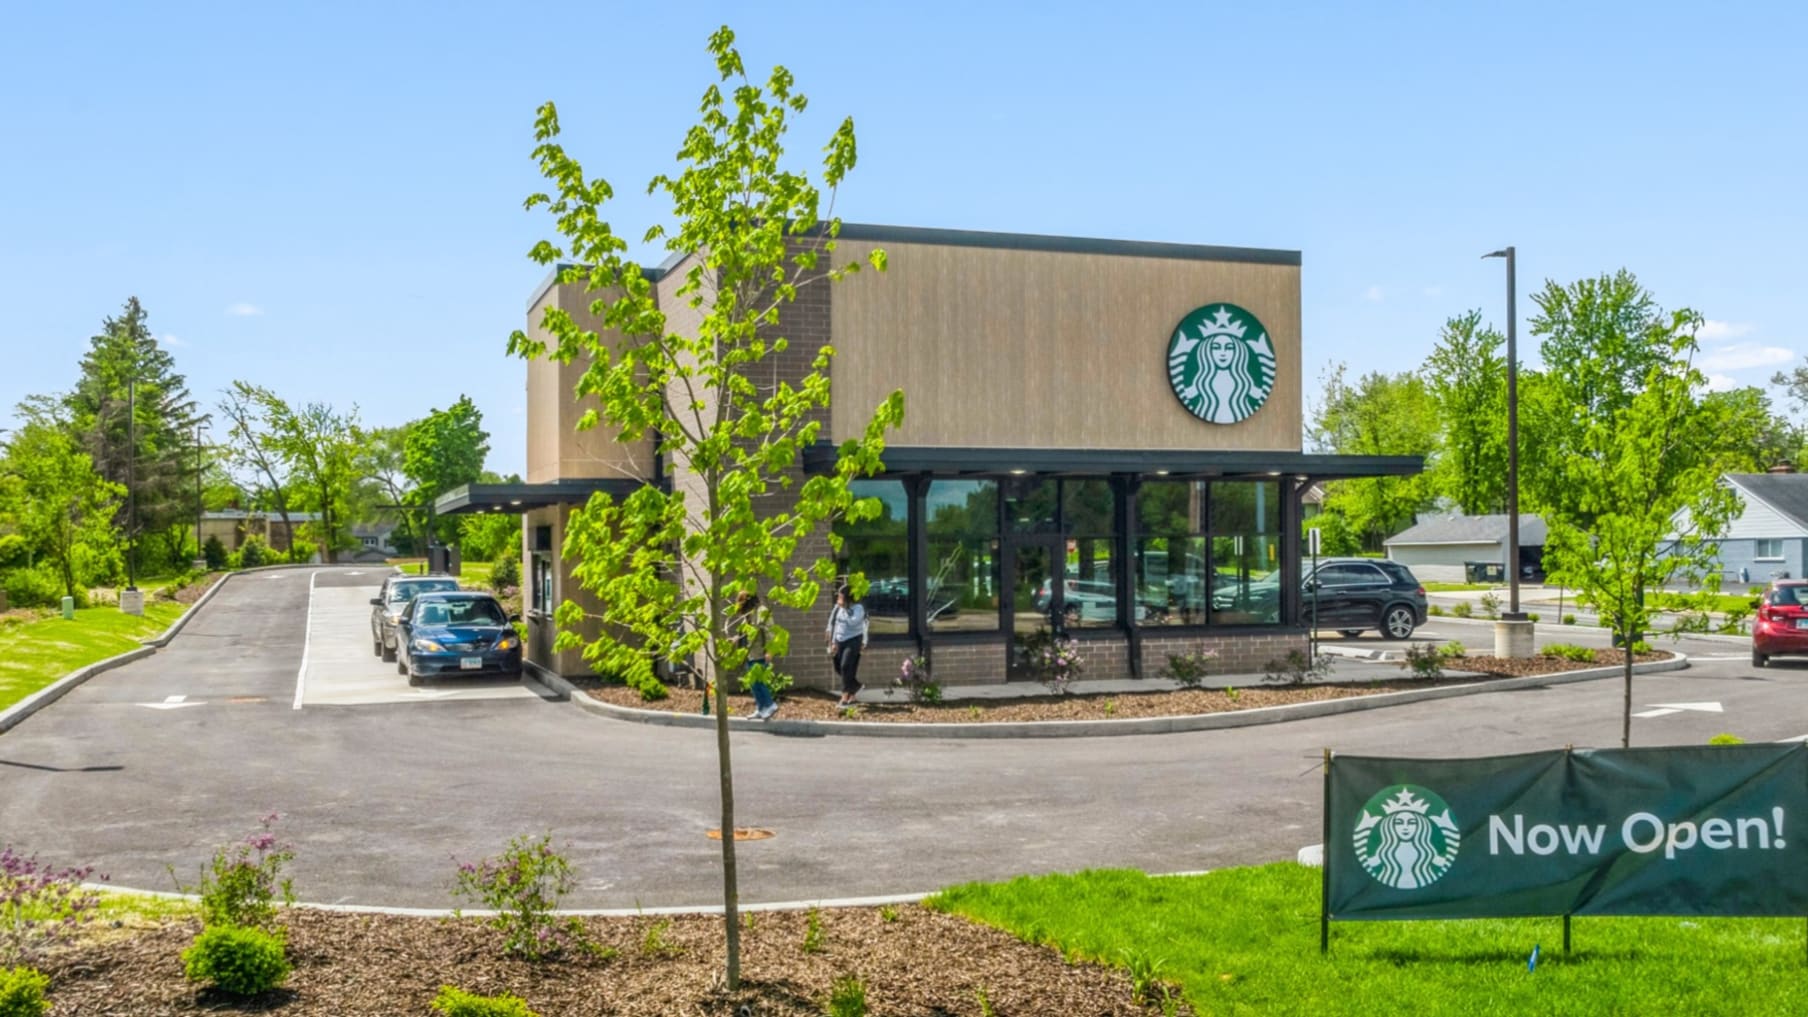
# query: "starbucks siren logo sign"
1406, 838
1220, 363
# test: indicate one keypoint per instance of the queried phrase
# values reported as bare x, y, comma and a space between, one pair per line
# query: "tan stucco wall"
556, 449
1037, 349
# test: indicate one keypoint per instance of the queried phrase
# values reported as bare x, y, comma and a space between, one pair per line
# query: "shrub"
914, 676
848, 997
241, 961
1531, 616
1436, 611
1726, 739
1425, 660
1452, 650
241, 884
1189, 669
214, 552
505, 573
813, 932
34, 587
1568, 651
22, 993
1462, 609
302, 550
1569, 619
1296, 667
1490, 605
39, 905
1051, 659
523, 886
253, 552
1640, 646
458, 1003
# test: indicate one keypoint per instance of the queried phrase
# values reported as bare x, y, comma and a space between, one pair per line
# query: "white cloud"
171, 341
1372, 294
1740, 356
244, 310
1721, 383
1720, 331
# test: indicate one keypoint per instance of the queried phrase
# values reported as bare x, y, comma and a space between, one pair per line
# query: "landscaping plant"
1188, 670
245, 880
523, 886
238, 960
39, 906
22, 992
454, 1002
848, 997
1425, 660
914, 676
1053, 660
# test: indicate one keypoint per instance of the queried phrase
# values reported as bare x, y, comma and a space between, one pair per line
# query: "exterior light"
1161, 473
1274, 473
517, 501
1018, 473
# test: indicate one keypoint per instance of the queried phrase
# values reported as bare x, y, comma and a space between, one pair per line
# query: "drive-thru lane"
380, 799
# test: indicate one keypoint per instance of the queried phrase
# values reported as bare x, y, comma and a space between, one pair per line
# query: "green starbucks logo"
1220, 363
1406, 838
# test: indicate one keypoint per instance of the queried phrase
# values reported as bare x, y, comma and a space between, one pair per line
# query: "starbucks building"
1100, 436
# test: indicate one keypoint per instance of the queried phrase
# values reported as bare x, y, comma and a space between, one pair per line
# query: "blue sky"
326, 198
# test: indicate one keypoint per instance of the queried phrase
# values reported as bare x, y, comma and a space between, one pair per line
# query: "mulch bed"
805, 704
921, 964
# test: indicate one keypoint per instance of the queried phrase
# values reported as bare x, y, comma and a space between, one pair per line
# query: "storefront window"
962, 571
880, 549
1170, 552
1246, 553
1089, 517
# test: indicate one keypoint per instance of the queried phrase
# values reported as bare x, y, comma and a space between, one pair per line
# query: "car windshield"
402, 593
462, 612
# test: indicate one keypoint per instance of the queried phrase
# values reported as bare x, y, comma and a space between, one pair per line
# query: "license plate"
470, 663
1801, 623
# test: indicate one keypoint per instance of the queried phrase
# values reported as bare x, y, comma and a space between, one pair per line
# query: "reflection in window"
962, 570
1246, 553
1170, 552
1088, 514
879, 548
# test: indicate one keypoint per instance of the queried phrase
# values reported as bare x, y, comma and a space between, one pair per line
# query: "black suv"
1353, 595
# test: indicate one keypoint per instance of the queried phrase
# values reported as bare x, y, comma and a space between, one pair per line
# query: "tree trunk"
1626, 716
731, 893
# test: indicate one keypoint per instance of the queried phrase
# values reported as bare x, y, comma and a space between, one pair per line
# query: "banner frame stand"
1324, 868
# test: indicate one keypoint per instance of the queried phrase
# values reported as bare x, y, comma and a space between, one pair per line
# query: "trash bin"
1484, 572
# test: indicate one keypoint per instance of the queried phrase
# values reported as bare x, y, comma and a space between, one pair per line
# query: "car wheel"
376, 646
414, 680
387, 653
401, 665
1349, 633
1397, 623
1760, 659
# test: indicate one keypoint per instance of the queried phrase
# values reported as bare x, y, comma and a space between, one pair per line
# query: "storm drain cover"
743, 833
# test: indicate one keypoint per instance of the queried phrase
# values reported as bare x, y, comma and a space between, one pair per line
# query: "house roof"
1785, 492
1491, 529
294, 517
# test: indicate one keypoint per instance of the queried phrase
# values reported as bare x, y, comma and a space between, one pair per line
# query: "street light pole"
200, 552
131, 483
1514, 619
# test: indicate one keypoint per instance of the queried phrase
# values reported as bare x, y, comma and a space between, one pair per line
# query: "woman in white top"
847, 637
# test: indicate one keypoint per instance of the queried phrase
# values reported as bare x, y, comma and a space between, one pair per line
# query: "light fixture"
1161, 473
517, 501
1018, 473
1274, 473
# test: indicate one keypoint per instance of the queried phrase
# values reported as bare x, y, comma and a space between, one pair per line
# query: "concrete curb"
14, 714
1717, 637
1096, 728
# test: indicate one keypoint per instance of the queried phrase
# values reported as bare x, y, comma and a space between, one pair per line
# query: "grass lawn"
471, 573
35, 653
1455, 587
1245, 941
1722, 602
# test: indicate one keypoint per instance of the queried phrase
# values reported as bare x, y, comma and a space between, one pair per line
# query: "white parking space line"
339, 668
307, 641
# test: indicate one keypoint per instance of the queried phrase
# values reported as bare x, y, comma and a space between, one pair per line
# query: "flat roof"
518, 498
1179, 464
880, 233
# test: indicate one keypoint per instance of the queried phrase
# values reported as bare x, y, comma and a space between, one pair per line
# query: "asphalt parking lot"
382, 789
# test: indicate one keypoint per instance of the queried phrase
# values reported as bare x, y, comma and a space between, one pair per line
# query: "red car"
1782, 625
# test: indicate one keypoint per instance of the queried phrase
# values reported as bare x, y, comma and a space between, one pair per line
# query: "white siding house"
1438, 548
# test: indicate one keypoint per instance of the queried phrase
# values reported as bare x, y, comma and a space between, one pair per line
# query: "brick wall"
1247, 653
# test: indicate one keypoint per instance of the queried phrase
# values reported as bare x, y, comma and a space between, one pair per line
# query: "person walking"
748, 612
847, 637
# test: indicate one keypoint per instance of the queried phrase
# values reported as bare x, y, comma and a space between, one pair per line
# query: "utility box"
131, 602
1484, 572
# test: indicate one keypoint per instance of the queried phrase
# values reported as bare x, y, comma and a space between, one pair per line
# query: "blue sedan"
464, 634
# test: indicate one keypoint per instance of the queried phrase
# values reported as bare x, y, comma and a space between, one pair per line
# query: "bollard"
68, 608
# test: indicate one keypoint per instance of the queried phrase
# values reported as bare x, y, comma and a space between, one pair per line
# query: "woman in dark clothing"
847, 637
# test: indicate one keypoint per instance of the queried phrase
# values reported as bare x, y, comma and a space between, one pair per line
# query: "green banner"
1710, 830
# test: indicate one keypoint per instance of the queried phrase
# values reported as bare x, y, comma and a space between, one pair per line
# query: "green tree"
322, 449
1467, 376
253, 449
667, 567
1335, 536
384, 455
1642, 500
1382, 414
441, 451
63, 508
131, 412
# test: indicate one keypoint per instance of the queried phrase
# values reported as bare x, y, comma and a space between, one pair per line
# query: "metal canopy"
523, 497
1181, 463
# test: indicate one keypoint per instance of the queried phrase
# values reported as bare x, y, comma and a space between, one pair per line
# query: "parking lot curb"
1544, 626
1096, 728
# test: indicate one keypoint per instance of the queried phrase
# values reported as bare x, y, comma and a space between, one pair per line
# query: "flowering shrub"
241, 961
241, 885
1189, 669
523, 886
39, 905
1053, 660
914, 675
